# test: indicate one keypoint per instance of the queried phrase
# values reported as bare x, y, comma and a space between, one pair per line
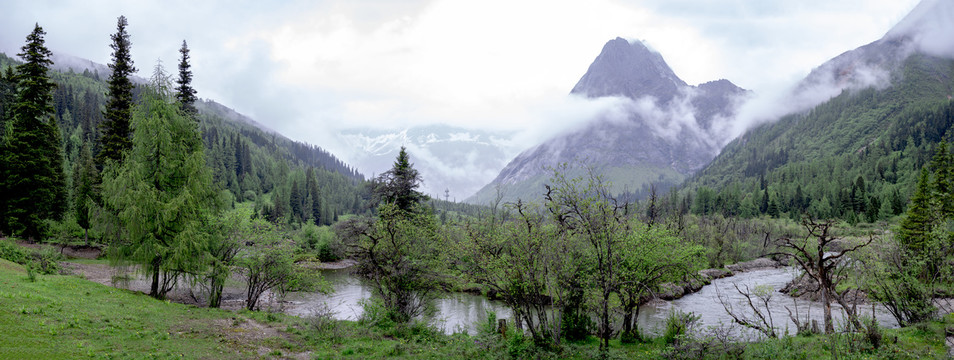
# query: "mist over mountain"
926, 30
658, 130
449, 158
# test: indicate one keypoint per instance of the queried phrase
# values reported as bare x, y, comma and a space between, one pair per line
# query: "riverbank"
674, 291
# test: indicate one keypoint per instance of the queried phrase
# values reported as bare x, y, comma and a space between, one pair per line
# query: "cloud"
823, 84
312, 69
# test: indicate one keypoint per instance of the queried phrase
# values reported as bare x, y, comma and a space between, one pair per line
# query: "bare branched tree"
818, 258
757, 300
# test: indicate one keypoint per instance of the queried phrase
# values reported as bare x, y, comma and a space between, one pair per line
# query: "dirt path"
73, 251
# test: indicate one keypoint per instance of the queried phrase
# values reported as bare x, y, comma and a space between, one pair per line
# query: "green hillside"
855, 157
247, 161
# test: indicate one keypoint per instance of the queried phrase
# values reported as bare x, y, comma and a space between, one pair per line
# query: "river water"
462, 312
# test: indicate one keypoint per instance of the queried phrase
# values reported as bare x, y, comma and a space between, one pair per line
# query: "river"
462, 312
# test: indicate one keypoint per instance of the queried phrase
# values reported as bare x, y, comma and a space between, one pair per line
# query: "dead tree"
816, 257
756, 299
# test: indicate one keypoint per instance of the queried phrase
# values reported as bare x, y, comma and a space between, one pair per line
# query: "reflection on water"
456, 312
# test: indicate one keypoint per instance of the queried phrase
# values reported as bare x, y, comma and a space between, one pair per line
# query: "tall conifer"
34, 188
184, 91
116, 138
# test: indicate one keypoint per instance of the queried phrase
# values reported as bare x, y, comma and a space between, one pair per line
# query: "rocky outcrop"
760, 263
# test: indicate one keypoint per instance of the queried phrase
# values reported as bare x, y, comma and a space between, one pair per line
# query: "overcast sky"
309, 68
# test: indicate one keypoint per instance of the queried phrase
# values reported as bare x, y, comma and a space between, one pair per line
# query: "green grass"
68, 317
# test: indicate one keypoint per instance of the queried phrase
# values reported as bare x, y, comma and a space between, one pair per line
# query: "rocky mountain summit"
658, 129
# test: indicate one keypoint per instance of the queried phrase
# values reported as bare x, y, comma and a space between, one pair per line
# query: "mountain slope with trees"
856, 157
248, 162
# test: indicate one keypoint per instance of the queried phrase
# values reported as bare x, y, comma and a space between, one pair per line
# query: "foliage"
32, 184
268, 264
891, 278
45, 260
322, 241
651, 256
521, 259
161, 194
399, 253
678, 325
85, 176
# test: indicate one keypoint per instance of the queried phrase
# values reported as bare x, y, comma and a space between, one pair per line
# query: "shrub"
678, 325
43, 261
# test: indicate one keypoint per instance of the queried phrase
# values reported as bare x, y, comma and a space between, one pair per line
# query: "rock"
670, 291
712, 274
694, 284
760, 263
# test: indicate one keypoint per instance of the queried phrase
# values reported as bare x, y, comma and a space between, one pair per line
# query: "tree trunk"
154, 289
627, 320
215, 293
824, 285
604, 319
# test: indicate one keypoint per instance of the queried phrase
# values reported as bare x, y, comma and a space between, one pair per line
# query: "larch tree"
34, 186
162, 194
184, 91
116, 138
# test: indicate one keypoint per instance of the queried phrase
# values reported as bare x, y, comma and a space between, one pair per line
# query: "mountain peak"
630, 69
929, 25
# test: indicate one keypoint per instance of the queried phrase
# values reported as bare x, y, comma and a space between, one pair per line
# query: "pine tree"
162, 193
116, 139
34, 188
184, 91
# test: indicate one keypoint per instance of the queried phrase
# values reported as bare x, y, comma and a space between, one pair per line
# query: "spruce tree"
34, 188
399, 184
184, 91
116, 139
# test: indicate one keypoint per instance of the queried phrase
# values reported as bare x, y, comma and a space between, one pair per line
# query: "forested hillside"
856, 157
288, 180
